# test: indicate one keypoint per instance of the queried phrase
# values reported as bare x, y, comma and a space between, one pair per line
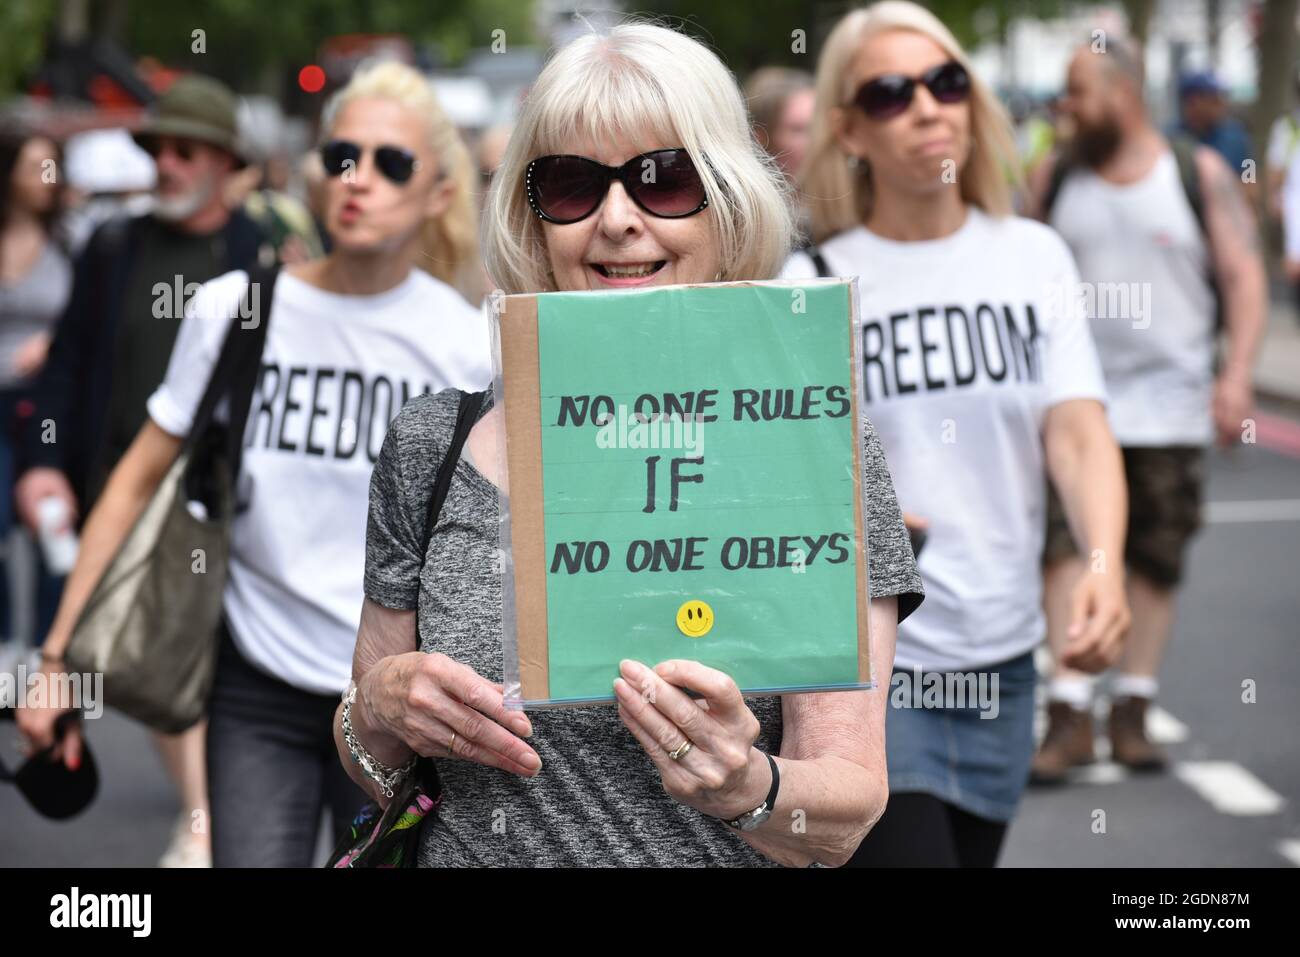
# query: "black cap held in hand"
49, 786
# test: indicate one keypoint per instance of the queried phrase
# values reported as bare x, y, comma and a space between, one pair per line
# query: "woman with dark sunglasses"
631, 166
350, 338
980, 372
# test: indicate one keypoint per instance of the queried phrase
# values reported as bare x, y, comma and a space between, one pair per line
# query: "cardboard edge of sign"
520, 383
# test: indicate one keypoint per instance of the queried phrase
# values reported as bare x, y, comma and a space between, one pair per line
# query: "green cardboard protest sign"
684, 471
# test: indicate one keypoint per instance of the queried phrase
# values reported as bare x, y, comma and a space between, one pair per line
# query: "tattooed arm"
1238, 265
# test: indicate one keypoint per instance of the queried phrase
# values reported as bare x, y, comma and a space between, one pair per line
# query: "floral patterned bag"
388, 838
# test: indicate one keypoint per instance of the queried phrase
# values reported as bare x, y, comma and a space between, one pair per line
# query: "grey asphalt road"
1238, 619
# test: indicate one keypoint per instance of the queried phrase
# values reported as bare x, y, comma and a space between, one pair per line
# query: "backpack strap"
470, 403
1184, 148
1061, 169
1185, 153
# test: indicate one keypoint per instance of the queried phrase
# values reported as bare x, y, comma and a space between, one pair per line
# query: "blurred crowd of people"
980, 248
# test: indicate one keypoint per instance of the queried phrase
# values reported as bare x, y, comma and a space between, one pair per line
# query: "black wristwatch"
752, 819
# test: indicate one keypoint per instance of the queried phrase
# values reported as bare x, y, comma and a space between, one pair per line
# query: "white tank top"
1144, 265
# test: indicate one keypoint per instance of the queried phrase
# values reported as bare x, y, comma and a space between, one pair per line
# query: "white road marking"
1289, 848
1229, 787
1263, 510
1164, 728
1101, 772
1225, 785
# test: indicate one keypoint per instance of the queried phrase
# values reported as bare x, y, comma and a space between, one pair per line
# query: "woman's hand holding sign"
429, 704
443, 709
721, 774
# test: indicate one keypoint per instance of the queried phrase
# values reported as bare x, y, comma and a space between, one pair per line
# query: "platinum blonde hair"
639, 81
449, 243
839, 195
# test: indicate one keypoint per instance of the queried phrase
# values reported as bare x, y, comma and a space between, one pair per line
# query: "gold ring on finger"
683, 750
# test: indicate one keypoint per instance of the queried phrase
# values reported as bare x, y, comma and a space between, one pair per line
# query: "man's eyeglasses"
155, 146
395, 163
566, 189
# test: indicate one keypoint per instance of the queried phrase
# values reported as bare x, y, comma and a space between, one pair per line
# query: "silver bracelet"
387, 778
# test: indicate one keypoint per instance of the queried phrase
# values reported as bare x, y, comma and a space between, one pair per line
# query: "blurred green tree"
254, 44
747, 37
24, 25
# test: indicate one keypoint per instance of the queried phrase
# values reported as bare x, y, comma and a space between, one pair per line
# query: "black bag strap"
818, 260
426, 770
247, 373
470, 403
236, 370
813, 251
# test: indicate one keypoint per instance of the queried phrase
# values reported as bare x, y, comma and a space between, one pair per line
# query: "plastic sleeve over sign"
688, 461
495, 305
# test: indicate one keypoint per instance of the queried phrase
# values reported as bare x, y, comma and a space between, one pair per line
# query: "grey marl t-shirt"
598, 800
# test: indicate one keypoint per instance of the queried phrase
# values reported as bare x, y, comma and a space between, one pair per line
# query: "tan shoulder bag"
150, 625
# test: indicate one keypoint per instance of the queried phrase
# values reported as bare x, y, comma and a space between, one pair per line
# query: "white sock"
1074, 690
1134, 686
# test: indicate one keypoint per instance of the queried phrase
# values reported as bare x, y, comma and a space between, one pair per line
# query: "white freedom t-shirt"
336, 369
966, 342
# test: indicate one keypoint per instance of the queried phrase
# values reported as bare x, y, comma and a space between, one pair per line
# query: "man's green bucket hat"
195, 108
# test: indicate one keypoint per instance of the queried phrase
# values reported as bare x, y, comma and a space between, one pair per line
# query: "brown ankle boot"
1129, 743
1067, 744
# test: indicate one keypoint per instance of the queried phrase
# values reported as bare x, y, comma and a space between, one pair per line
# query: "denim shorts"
938, 743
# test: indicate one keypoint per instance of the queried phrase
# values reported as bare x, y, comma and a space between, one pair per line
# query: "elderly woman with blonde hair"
793, 780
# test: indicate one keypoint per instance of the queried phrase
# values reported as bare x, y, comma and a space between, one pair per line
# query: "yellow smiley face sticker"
695, 618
